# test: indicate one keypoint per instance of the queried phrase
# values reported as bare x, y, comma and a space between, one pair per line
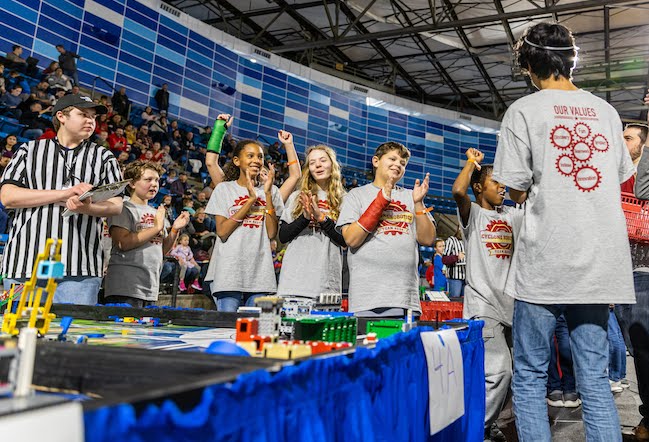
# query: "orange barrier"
636, 213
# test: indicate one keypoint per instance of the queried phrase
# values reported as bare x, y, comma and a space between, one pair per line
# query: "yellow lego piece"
129, 319
282, 351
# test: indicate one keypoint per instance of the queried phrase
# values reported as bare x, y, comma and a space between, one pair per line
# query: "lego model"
270, 316
27, 310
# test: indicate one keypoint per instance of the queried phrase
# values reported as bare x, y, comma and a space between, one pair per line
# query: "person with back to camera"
560, 152
489, 230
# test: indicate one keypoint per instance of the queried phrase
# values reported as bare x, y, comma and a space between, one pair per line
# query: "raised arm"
463, 182
426, 231
221, 125
271, 216
294, 170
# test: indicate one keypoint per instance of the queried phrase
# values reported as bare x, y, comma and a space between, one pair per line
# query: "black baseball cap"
78, 101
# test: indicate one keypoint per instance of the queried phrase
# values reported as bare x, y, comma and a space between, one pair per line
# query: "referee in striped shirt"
42, 179
455, 261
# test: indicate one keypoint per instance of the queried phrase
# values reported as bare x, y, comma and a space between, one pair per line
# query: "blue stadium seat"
12, 128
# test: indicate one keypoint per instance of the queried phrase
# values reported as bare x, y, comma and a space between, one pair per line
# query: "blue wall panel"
153, 48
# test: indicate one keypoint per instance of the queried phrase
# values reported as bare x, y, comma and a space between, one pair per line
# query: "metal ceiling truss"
581, 7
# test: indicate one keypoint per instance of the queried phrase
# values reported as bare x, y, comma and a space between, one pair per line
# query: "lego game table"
378, 393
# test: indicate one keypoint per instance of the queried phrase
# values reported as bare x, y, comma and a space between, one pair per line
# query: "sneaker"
625, 383
196, 285
571, 400
616, 386
181, 286
555, 398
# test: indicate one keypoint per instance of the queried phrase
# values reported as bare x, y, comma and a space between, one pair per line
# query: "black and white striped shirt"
453, 247
46, 165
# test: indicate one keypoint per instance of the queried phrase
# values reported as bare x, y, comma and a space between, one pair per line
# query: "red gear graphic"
247, 221
505, 249
582, 128
582, 151
394, 227
562, 164
600, 143
553, 135
587, 178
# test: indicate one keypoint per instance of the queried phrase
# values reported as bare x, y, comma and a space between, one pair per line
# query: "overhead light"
252, 60
374, 102
463, 127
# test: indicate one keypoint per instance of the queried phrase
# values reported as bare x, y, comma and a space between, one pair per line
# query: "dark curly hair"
479, 176
543, 62
230, 171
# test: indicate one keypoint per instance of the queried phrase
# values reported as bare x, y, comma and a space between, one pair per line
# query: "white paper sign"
445, 378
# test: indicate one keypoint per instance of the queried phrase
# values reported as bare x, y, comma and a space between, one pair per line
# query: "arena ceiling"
454, 54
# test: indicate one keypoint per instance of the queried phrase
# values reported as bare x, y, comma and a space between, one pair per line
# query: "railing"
103, 80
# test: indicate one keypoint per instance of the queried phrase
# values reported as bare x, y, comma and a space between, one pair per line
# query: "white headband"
551, 48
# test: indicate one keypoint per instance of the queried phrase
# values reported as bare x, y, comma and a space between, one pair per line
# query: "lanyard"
68, 170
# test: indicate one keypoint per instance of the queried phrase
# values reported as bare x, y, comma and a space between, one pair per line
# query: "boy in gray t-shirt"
140, 239
489, 231
560, 152
381, 225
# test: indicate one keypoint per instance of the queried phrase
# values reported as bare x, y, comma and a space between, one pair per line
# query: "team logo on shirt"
395, 220
255, 217
146, 222
578, 145
498, 238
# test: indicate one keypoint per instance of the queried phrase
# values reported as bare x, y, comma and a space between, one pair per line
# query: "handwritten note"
445, 378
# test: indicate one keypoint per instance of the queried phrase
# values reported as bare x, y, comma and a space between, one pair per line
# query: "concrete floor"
566, 423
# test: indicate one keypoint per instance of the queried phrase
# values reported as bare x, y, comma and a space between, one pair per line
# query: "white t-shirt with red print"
135, 272
312, 263
566, 149
383, 270
243, 263
489, 237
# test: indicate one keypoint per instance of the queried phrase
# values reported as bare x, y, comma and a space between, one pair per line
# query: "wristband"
290, 163
370, 219
218, 132
270, 211
425, 211
236, 220
174, 230
477, 165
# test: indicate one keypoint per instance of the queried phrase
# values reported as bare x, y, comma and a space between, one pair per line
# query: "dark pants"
634, 322
135, 302
564, 381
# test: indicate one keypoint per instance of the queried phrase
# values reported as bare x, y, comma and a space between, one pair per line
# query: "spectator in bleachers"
12, 99
58, 94
15, 79
117, 141
104, 101
156, 152
15, 59
123, 160
102, 124
42, 93
2, 79
9, 146
50, 69
121, 103
75, 90
101, 139
148, 115
143, 141
68, 63
114, 122
130, 133
166, 161
59, 80
32, 119
158, 129
162, 98
173, 126
201, 199
180, 186
354, 184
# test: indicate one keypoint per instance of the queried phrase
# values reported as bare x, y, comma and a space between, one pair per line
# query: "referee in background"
42, 179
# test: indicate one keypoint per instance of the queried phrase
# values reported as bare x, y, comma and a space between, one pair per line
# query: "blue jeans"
455, 288
80, 290
566, 380
616, 350
634, 321
533, 328
230, 301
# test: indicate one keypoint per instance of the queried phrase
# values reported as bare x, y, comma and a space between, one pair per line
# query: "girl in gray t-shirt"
246, 215
312, 263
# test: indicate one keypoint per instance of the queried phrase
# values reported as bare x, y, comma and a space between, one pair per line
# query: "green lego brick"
385, 327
